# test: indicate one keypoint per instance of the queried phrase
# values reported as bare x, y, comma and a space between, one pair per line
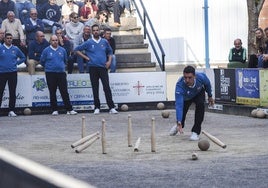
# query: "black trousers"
199, 101
58, 80
253, 61
11, 79
101, 73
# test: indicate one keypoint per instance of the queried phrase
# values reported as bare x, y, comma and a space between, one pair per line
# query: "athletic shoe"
96, 111
12, 114
194, 137
71, 112
55, 113
113, 111
174, 130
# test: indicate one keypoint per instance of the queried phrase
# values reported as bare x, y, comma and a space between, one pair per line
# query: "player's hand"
210, 101
180, 128
108, 63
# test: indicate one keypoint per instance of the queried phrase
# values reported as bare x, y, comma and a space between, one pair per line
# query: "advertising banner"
247, 86
263, 88
225, 85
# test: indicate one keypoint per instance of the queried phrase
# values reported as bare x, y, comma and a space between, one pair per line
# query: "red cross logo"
138, 87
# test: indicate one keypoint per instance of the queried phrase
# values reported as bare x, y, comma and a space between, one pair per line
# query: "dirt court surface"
47, 140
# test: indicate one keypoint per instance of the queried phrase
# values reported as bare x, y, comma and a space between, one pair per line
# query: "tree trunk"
254, 9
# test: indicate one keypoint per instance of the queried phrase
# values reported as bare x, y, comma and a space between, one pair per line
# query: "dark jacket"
36, 49
31, 29
5, 7
50, 12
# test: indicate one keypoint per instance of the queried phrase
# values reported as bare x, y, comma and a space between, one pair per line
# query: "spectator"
88, 11
101, 19
13, 25
190, 89
67, 8
32, 25
39, 4
36, 48
106, 6
237, 55
23, 8
259, 45
10, 57
54, 59
108, 36
2, 36
120, 7
74, 29
80, 61
263, 59
80, 3
5, 7
65, 43
50, 14
97, 49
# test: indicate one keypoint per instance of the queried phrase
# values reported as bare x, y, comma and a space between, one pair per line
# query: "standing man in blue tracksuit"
98, 54
10, 57
190, 89
54, 59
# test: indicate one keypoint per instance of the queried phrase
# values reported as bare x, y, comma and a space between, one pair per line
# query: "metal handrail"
146, 33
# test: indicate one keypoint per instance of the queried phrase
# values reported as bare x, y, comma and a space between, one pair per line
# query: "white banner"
126, 88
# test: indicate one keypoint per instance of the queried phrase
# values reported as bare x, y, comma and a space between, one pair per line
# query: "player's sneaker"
113, 111
97, 111
194, 137
173, 131
12, 114
55, 113
71, 112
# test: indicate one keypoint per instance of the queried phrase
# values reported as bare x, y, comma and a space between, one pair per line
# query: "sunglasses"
69, 1
75, 17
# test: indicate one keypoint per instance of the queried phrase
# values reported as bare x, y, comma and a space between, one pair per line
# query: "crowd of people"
28, 22
258, 59
80, 34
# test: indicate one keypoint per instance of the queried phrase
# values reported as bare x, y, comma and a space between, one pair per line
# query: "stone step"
140, 65
133, 58
133, 50
132, 46
126, 22
128, 39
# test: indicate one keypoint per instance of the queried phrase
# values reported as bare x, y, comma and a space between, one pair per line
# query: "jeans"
53, 25
23, 10
113, 64
125, 4
81, 64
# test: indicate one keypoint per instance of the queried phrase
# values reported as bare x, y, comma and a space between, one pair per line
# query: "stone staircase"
131, 52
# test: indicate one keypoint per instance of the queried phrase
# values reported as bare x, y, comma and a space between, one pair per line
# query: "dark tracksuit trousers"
199, 101
95, 74
11, 79
58, 80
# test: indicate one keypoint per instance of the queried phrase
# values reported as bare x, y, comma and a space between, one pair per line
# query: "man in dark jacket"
50, 14
32, 25
36, 48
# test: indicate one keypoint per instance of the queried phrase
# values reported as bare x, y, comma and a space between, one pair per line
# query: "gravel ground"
47, 139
